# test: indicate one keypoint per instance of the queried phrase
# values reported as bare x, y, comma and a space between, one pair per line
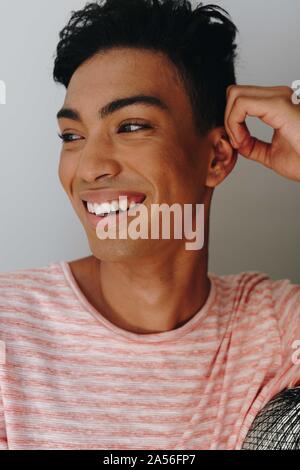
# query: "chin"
120, 250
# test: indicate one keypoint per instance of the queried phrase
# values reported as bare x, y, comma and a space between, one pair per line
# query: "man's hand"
274, 106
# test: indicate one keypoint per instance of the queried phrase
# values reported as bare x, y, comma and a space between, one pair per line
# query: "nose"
97, 161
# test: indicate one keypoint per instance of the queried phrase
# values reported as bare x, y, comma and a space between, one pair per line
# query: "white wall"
255, 223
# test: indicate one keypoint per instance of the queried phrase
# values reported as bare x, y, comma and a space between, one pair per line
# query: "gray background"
255, 223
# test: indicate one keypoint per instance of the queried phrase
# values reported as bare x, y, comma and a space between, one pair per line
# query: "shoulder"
246, 287
29, 306
253, 295
248, 300
26, 287
250, 287
29, 277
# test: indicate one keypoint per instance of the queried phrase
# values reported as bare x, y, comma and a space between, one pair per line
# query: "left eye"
74, 137
69, 137
134, 124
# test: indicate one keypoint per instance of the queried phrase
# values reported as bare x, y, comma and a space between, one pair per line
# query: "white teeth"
123, 204
102, 208
97, 209
106, 207
112, 207
90, 207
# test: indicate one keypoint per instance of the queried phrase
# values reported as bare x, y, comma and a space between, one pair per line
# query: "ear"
222, 158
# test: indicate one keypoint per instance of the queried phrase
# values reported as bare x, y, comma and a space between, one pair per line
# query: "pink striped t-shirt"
70, 379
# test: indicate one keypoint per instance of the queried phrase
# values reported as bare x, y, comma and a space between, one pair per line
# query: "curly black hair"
200, 43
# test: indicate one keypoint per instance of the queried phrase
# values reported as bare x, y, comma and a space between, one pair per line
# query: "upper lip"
109, 195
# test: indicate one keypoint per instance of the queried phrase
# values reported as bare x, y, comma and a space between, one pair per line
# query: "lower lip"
94, 219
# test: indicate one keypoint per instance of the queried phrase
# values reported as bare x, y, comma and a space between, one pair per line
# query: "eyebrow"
115, 105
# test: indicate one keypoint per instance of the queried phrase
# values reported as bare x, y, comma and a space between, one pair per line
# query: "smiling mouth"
103, 216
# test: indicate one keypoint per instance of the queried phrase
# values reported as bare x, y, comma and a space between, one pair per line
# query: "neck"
154, 294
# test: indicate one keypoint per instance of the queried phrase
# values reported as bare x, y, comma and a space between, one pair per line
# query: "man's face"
165, 160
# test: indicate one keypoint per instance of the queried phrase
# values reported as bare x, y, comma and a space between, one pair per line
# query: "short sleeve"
3, 436
286, 302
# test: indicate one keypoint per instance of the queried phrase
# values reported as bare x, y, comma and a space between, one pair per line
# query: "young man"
138, 346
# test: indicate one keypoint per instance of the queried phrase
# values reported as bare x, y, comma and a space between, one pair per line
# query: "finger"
247, 145
242, 107
261, 91
235, 91
271, 111
255, 149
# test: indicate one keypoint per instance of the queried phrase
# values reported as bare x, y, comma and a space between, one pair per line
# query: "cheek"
168, 172
181, 182
66, 171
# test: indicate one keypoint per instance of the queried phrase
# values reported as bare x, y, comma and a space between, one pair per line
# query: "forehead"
125, 72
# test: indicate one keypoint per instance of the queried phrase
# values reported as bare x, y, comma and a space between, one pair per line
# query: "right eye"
69, 137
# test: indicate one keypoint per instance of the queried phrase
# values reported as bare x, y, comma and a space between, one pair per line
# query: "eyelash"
66, 137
